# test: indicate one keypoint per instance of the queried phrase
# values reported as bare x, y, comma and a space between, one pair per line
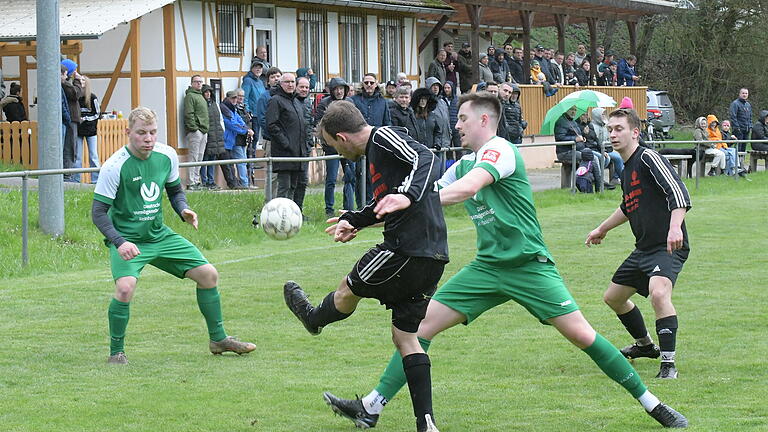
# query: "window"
312, 43
229, 28
390, 47
352, 41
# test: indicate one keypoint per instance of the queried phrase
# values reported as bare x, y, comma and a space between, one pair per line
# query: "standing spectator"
443, 119
452, 97
541, 56
606, 62
65, 120
374, 108
196, 128
502, 73
451, 65
302, 95
389, 90
307, 73
273, 78
760, 132
86, 130
261, 56
402, 79
13, 106
607, 77
214, 146
73, 89
437, 67
423, 104
235, 126
582, 74
580, 56
515, 64
486, 75
467, 71
448, 47
569, 70
740, 114
512, 112
338, 90
253, 87
402, 113
556, 66
626, 72
285, 122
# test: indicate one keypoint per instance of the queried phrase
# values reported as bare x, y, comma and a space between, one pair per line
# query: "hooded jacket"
13, 108
598, 131
195, 111
373, 108
467, 73
700, 133
442, 114
233, 124
323, 105
760, 128
253, 87
513, 116
714, 133
285, 122
427, 129
403, 117
215, 143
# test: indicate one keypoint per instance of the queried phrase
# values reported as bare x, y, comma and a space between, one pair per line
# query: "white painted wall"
372, 42
193, 23
286, 42
334, 57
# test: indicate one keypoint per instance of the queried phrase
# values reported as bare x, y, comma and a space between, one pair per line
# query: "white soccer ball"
281, 218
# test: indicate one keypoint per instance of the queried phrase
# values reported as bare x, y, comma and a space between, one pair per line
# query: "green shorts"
173, 254
479, 287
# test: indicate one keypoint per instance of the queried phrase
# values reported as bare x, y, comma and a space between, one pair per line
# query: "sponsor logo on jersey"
150, 193
137, 178
490, 156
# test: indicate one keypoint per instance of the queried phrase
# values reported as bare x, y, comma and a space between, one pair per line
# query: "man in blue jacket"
741, 117
626, 73
373, 107
254, 88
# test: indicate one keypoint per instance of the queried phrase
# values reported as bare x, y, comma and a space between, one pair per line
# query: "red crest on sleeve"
490, 156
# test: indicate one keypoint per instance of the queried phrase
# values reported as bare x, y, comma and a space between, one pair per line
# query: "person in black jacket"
285, 123
428, 131
566, 129
12, 105
402, 113
760, 132
402, 272
214, 147
513, 112
86, 129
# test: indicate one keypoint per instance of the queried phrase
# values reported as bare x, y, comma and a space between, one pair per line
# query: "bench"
756, 155
565, 173
677, 161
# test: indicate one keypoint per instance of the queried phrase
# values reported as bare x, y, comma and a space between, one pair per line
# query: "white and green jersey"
508, 231
133, 187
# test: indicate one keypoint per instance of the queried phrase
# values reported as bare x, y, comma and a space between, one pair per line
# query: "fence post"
24, 221
362, 181
697, 165
268, 182
601, 163
573, 167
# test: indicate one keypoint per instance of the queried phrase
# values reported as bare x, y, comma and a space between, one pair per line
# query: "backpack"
585, 180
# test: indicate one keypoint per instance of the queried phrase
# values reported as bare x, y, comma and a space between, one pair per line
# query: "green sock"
209, 302
610, 361
393, 378
118, 314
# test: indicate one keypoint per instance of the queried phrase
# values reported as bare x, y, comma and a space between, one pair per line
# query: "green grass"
504, 372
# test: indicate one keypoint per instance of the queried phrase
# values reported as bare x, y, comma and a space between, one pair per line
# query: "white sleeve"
109, 178
449, 176
174, 174
500, 155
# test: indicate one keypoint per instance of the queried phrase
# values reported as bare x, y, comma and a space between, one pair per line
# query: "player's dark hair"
483, 101
631, 115
342, 116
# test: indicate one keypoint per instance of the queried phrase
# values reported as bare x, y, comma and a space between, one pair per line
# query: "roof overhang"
78, 19
429, 7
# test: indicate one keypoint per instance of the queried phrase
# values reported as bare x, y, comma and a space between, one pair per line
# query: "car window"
664, 100
647, 100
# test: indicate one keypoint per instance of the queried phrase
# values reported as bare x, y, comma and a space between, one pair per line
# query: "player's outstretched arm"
391, 203
598, 234
465, 187
189, 217
342, 231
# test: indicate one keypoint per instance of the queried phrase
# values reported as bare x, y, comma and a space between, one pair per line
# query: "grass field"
505, 372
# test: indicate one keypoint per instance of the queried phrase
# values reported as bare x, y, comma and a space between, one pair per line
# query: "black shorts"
401, 283
638, 268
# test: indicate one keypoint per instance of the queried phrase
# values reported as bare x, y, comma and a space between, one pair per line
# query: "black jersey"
651, 190
399, 164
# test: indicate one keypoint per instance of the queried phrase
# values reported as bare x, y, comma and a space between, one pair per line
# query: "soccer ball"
281, 218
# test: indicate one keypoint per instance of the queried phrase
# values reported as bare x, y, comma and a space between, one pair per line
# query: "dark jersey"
651, 190
398, 164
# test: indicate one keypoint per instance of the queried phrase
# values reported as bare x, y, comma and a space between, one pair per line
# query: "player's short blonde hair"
141, 113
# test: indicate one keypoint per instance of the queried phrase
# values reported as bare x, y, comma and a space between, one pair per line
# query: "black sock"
326, 313
633, 322
666, 328
417, 372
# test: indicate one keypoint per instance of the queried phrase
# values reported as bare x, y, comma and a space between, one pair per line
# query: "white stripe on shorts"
376, 263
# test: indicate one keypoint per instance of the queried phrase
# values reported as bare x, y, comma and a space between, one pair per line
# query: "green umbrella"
583, 100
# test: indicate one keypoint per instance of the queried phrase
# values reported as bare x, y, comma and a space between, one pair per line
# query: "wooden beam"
184, 32
24, 82
561, 22
632, 29
526, 19
475, 13
136, 62
116, 72
509, 39
592, 24
433, 33
545, 8
215, 34
30, 49
169, 56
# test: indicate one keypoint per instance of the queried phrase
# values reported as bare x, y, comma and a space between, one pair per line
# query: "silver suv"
661, 114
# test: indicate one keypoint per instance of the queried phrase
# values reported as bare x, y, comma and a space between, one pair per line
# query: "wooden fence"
18, 143
535, 104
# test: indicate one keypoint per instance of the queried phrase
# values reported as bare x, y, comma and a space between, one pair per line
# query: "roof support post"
526, 18
632, 29
135, 62
433, 33
592, 24
561, 22
475, 12
169, 55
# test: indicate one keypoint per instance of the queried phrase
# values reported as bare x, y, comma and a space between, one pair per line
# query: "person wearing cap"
73, 89
544, 64
437, 67
261, 56
467, 71
389, 90
254, 88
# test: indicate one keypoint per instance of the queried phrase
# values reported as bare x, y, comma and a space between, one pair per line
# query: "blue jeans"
207, 173
618, 163
238, 152
730, 159
93, 156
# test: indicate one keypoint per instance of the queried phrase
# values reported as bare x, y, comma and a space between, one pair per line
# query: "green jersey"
133, 187
508, 231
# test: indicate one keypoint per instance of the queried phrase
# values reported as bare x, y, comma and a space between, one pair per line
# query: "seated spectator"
12, 105
538, 78
402, 113
428, 131
730, 152
582, 74
600, 131
701, 133
760, 132
566, 129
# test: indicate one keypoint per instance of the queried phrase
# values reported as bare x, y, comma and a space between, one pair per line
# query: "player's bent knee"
205, 275
124, 288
